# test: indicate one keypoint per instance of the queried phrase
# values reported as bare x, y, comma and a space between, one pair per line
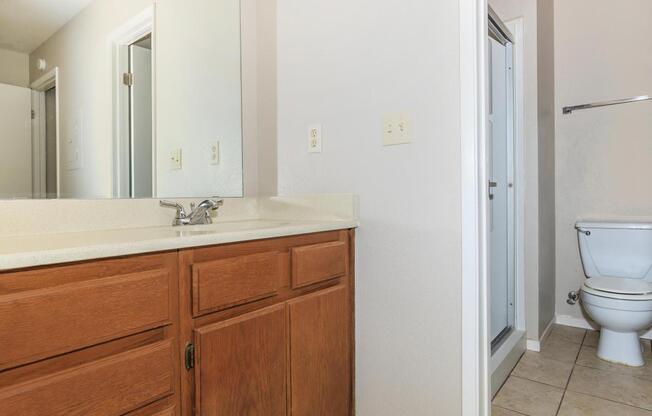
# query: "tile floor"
567, 379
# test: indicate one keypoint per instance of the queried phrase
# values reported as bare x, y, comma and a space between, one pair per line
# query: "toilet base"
620, 348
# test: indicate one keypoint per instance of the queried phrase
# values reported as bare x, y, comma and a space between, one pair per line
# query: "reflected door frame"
39, 87
132, 31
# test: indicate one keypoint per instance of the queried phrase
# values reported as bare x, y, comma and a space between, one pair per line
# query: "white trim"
475, 343
515, 26
130, 32
40, 86
535, 345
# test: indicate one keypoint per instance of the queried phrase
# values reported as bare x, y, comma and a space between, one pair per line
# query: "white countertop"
52, 248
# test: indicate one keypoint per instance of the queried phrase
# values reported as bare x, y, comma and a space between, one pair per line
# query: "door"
16, 140
320, 354
140, 66
241, 365
501, 199
51, 168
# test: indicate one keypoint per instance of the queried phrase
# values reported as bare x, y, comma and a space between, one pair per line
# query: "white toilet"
617, 294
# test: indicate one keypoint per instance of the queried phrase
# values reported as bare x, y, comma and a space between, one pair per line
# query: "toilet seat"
618, 288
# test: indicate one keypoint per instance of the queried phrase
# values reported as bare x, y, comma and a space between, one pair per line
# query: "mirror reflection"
120, 99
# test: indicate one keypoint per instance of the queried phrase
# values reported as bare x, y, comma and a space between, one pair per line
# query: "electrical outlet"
396, 129
215, 153
314, 138
175, 159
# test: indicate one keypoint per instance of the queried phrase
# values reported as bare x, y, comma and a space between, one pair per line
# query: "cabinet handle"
190, 356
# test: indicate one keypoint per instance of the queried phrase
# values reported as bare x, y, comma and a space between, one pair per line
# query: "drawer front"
111, 386
221, 284
318, 262
44, 322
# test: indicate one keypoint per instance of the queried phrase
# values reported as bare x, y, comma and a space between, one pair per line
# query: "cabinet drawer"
44, 322
111, 386
223, 283
318, 262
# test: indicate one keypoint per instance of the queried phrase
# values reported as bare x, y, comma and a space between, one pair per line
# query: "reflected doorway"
139, 80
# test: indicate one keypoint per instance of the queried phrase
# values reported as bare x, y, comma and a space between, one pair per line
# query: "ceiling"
26, 24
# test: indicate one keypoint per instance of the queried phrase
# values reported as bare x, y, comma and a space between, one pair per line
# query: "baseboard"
583, 323
535, 345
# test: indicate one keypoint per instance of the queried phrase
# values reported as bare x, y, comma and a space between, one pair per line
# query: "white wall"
191, 109
199, 96
345, 63
603, 156
14, 68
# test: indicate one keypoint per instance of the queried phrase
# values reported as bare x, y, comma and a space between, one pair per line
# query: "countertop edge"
37, 258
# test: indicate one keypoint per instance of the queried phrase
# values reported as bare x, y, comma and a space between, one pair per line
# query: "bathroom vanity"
257, 319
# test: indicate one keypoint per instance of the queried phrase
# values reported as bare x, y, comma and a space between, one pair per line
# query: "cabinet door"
320, 354
241, 365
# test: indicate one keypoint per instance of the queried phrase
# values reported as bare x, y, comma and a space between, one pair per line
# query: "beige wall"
345, 63
546, 154
14, 68
186, 111
603, 156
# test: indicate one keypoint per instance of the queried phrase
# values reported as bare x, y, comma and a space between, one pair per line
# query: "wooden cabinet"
289, 352
92, 338
241, 365
252, 328
320, 353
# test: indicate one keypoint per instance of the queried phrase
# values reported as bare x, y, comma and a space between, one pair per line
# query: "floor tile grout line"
511, 410
592, 395
613, 372
563, 395
538, 382
610, 400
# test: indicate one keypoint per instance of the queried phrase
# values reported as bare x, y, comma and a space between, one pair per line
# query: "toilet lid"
620, 285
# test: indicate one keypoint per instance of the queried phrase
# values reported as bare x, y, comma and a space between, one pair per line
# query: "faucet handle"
217, 202
181, 212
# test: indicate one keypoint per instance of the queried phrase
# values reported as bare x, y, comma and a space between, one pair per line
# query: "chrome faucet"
199, 214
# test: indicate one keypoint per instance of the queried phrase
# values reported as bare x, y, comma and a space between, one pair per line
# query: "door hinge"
128, 79
190, 356
33, 114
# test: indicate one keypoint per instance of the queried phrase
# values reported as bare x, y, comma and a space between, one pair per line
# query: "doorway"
46, 183
139, 82
505, 197
134, 137
500, 174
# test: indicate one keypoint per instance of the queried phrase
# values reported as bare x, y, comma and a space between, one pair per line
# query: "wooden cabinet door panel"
79, 314
320, 354
241, 365
222, 283
318, 262
107, 387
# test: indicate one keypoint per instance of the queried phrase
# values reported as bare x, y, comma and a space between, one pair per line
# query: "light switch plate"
396, 129
175, 159
314, 138
214, 151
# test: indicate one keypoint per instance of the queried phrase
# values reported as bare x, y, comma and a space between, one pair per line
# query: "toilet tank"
616, 249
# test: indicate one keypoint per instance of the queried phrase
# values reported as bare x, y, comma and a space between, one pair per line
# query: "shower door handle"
492, 185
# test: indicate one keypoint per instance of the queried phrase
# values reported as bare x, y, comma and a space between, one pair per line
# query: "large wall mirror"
121, 99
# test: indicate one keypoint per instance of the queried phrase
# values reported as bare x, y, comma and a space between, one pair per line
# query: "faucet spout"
201, 213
